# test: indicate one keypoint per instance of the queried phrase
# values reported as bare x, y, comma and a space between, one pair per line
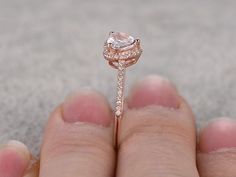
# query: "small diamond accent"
118, 113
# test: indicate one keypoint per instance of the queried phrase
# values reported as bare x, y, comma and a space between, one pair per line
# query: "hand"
157, 138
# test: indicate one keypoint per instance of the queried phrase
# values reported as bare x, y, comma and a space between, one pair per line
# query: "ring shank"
117, 124
119, 99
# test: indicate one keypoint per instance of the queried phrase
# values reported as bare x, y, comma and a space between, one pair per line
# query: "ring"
120, 50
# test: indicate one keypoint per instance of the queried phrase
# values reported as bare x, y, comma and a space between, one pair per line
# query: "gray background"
50, 48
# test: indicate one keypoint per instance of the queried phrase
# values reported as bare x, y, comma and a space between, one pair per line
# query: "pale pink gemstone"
120, 40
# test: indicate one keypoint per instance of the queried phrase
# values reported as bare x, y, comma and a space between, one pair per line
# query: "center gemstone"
119, 40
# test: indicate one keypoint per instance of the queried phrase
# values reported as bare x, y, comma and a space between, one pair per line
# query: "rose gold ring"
121, 50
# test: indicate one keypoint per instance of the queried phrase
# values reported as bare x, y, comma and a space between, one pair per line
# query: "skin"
157, 138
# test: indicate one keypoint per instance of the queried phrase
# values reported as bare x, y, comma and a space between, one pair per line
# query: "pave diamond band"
121, 50
120, 88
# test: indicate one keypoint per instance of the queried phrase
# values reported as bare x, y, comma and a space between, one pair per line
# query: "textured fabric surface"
49, 48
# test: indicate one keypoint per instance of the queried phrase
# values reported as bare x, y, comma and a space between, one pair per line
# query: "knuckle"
155, 125
73, 140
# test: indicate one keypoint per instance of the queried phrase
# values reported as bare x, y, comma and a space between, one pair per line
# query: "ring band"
121, 50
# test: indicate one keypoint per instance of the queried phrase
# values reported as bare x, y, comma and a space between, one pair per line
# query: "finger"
217, 149
78, 138
157, 136
14, 159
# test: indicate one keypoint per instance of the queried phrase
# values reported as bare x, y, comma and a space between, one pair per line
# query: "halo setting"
121, 46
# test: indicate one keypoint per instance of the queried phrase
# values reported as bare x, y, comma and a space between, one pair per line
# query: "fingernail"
87, 106
217, 135
153, 90
14, 159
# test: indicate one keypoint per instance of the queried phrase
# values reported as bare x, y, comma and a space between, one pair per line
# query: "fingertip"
14, 159
154, 90
87, 106
218, 134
